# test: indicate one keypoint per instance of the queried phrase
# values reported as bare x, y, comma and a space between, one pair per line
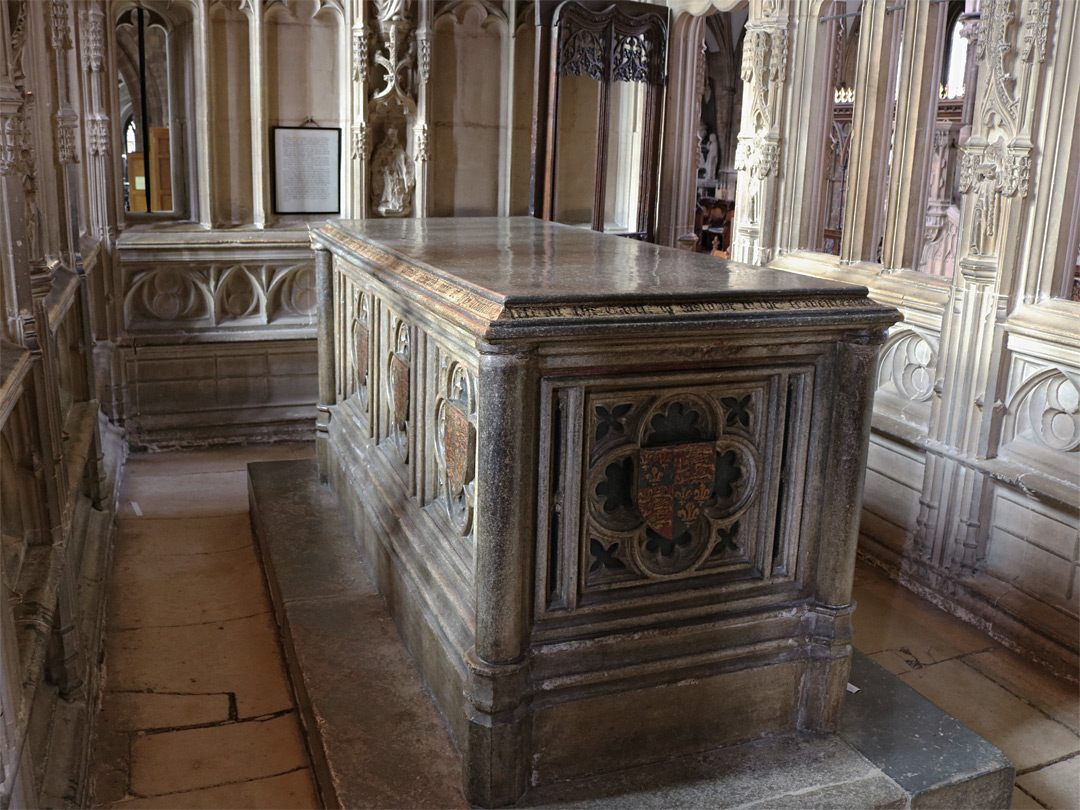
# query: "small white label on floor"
138, 513
853, 688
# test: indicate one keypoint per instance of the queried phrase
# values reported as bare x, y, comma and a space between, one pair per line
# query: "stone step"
377, 740
375, 736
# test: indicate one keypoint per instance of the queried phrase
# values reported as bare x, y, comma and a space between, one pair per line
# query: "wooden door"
160, 170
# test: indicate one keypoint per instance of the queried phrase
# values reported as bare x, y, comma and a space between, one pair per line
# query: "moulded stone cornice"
1053, 323
697, 8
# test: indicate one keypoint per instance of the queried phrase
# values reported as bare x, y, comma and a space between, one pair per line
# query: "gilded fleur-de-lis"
737, 410
610, 420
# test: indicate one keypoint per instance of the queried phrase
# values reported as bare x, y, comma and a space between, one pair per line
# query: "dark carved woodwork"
608, 46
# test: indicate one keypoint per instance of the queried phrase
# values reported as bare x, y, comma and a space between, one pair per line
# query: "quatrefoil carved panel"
670, 482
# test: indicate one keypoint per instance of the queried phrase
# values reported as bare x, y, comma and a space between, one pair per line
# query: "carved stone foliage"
97, 136
66, 123
996, 164
455, 443
1047, 409
673, 485
908, 366
765, 56
360, 54
60, 27
399, 386
93, 36
220, 295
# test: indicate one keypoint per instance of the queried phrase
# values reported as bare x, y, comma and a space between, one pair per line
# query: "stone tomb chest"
609, 490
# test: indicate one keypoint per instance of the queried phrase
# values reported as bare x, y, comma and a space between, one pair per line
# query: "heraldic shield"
456, 449
673, 484
399, 382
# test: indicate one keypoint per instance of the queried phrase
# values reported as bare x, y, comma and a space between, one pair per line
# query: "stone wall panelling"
468, 122
217, 340
978, 389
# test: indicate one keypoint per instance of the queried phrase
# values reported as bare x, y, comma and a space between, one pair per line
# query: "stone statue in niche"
392, 177
712, 157
387, 10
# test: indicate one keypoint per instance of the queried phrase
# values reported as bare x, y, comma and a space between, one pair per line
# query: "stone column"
260, 164
679, 153
360, 58
996, 163
913, 136
505, 517
202, 112
868, 168
420, 128
324, 293
757, 158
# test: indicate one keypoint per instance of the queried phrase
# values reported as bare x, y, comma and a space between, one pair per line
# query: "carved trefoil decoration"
1047, 409
210, 296
908, 366
455, 444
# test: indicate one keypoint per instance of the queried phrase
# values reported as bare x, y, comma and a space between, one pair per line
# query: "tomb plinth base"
610, 491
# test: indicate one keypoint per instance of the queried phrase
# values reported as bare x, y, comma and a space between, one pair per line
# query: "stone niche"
609, 490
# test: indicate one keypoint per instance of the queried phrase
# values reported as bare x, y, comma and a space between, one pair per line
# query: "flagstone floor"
197, 711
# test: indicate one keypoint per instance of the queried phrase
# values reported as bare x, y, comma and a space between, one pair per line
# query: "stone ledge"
377, 739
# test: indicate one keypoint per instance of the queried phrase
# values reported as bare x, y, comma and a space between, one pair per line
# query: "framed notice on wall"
307, 170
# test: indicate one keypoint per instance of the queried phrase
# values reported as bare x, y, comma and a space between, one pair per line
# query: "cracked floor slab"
196, 710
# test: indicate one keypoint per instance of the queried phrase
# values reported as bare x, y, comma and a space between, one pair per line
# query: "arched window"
151, 38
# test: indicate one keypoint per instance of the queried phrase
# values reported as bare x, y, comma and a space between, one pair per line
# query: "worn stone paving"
196, 711
1030, 714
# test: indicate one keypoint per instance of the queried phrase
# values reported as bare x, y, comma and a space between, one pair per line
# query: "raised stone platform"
377, 739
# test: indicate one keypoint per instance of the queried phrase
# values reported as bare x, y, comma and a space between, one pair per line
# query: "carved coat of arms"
362, 349
457, 448
399, 384
673, 484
